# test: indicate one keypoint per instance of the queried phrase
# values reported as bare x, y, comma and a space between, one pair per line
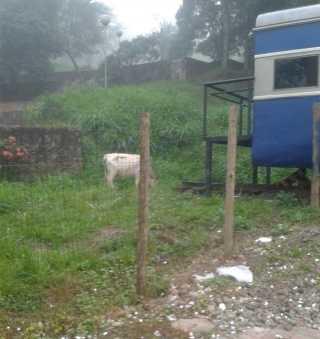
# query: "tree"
209, 23
159, 45
142, 49
179, 46
218, 28
226, 21
247, 12
35, 32
29, 39
172, 42
193, 26
80, 28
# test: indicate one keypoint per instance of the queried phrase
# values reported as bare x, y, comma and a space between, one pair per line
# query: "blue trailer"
286, 83
279, 98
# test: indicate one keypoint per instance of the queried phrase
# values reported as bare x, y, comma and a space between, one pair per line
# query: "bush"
10, 155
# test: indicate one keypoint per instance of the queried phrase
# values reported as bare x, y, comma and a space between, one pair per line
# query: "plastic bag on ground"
240, 273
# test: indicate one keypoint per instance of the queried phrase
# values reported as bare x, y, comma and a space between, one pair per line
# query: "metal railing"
241, 96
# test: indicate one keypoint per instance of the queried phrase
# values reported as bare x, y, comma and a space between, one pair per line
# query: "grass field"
68, 244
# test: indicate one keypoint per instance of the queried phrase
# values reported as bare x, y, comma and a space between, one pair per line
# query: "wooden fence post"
143, 227
230, 182
315, 155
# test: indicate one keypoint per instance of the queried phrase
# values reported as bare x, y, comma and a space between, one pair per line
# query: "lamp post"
119, 35
105, 20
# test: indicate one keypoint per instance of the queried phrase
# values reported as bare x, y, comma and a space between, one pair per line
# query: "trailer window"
296, 72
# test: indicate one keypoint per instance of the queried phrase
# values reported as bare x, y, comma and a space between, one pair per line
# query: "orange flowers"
12, 140
6, 154
10, 156
20, 152
8, 149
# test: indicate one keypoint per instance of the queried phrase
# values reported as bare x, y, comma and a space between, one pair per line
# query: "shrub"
10, 155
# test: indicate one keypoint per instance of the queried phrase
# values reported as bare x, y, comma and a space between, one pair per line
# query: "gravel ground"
285, 291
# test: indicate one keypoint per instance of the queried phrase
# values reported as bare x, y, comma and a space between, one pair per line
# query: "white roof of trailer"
289, 16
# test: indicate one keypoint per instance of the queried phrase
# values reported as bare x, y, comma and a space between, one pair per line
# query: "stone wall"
188, 68
152, 71
196, 67
13, 118
50, 149
174, 70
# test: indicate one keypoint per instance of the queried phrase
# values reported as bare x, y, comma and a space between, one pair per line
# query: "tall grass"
111, 118
110, 123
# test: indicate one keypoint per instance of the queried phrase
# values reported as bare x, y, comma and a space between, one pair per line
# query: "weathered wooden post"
143, 227
230, 182
315, 156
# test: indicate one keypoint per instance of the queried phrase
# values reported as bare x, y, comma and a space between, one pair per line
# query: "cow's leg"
137, 179
109, 175
105, 174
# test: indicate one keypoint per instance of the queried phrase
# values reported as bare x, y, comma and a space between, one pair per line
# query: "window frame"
292, 58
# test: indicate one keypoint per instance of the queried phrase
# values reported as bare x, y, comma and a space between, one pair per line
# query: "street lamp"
105, 20
119, 35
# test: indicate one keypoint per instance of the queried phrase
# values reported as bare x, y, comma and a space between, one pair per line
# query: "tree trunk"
246, 52
246, 41
74, 63
226, 32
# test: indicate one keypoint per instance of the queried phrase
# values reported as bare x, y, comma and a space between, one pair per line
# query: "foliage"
172, 44
78, 26
286, 199
29, 39
179, 46
35, 32
163, 44
220, 28
206, 22
142, 49
10, 155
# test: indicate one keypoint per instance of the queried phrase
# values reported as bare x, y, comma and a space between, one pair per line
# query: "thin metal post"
208, 168
119, 52
240, 117
204, 123
119, 35
105, 57
105, 20
268, 175
254, 175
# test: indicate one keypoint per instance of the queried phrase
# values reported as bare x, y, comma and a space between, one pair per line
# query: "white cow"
126, 165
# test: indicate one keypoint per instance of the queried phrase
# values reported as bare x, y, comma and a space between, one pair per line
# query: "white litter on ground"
240, 273
264, 239
204, 277
222, 306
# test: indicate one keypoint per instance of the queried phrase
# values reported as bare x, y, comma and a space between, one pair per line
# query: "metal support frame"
208, 168
241, 97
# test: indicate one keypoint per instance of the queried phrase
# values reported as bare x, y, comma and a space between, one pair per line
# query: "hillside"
68, 243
